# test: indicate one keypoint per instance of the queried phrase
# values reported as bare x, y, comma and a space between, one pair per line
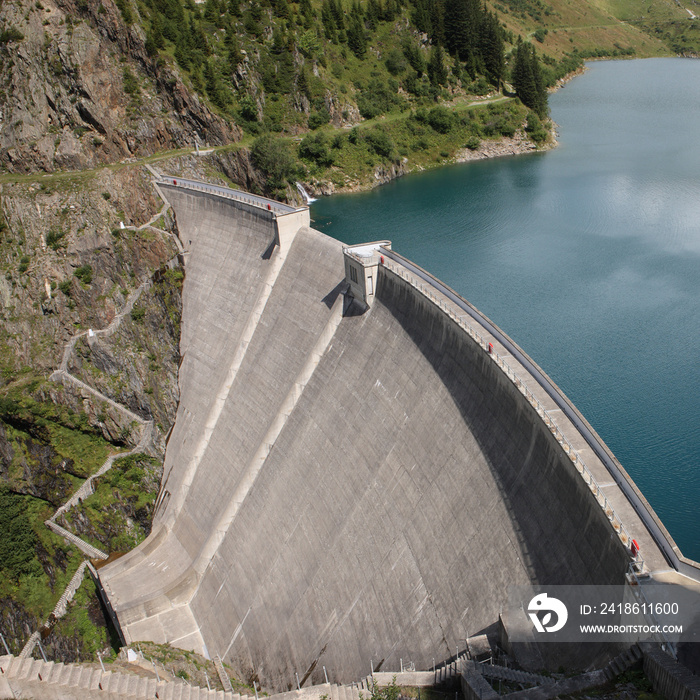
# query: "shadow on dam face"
342, 489
562, 537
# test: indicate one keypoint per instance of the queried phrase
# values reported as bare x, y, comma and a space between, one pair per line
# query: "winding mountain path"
86, 489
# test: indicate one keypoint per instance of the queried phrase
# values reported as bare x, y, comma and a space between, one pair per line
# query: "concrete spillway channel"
347, 483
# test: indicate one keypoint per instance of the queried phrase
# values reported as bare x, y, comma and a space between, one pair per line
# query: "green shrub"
248, 108
473, 142
273, 157
23, 264
138, 314
505, 128
441, 119
415, 85
84, 274
125, 9
319, 118
380, 142
389, 692
535, 128
17, 545
131, 85
377, 98
54, 239
10, 34
396, 62
65, 286
314, 147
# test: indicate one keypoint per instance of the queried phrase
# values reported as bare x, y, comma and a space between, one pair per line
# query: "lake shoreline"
518, 144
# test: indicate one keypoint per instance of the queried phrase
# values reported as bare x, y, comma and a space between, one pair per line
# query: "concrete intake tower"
361, 464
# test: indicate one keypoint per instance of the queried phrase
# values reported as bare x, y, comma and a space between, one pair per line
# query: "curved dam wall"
341, 488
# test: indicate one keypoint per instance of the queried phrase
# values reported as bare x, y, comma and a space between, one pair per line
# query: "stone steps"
510, 674
623, 661
223, 676
32, 678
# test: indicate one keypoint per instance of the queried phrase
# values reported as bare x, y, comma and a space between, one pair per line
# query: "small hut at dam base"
362, 465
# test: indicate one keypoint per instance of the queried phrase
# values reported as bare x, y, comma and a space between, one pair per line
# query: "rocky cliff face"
68, 266
73, 258
78, 89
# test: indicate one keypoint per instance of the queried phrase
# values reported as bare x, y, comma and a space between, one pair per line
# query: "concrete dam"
361, 464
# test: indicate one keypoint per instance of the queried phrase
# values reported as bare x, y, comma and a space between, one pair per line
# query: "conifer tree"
328, 22
457, 69
306, 12
391, 9
462, 29
234, 55
414, 56
492, 48
155, 39
374, 13
303, 84
437, 22
357, 41
216, 92
337, 12
421, 17
211, 10
527, 79
437, 71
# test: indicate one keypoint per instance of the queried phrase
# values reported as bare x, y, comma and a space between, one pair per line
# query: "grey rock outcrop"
66, 103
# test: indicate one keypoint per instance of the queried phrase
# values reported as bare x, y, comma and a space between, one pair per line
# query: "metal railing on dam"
229, 193
401, 266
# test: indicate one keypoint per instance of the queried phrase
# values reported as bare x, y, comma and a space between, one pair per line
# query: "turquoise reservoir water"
588, 256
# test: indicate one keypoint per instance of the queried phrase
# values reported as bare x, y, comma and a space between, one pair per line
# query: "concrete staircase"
623, 661
513, 676
347, 692
31, 678
223, 676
